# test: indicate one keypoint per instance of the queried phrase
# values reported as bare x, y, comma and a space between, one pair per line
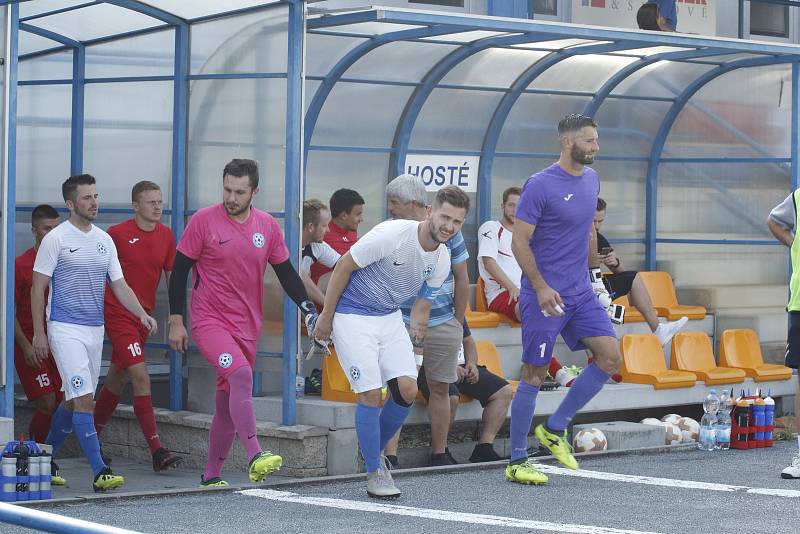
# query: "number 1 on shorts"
542, 348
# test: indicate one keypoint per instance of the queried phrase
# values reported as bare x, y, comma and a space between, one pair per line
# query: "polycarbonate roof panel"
37, 7
467, 37
495, 67
663, 79
323, 51
93, 22
725, 58
581, 73
390, 62
559, 44
191, 9
650, 50
30, 42
372, 28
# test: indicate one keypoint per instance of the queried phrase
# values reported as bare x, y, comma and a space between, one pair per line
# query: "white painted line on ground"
666, 482
440, 515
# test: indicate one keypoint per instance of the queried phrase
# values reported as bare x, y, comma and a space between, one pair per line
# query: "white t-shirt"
393, 267
78, 264
318, 252
494, 241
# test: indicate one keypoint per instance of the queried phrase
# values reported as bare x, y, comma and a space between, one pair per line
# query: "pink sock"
220, 437
241, 409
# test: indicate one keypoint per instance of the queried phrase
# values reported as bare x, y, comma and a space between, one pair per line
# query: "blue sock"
83, 423
60, 428
522, 408
587, 385
368, 431
392, 418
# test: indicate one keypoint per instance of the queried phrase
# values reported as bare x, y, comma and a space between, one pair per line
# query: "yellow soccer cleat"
55, 475
525, 473
106, 480
263, 464
215, 482
558, 445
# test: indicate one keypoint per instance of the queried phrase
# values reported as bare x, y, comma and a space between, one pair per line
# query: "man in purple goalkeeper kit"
551, 240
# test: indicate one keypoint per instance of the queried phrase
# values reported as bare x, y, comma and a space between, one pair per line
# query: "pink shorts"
224, 351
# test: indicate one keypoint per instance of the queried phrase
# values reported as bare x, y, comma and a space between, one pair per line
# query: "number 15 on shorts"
136, 349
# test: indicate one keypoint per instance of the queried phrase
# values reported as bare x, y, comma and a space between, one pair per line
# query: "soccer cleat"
524, 473
558, 445
163, 459
314, 383
262, 465
666, 331
55, 475
215, 482
106, 480
484, 452
793, 471
380, 485
567, 375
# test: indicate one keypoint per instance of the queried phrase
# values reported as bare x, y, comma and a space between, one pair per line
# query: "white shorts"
373, 349
77, 350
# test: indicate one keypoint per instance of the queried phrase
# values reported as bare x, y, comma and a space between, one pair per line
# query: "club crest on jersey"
101, 248
428, 270
355, 374
258, 240
76, 382
225, 360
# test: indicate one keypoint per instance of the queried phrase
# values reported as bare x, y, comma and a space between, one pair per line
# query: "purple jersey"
562, 207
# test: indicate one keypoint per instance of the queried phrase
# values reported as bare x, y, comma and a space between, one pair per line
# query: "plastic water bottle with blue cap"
708, 440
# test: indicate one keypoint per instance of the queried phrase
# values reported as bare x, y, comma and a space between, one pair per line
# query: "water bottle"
21, 453
8, 468
299, 386
759, 412
707, 441
45, 476
722, 430
711, 402
769, 418
34, 466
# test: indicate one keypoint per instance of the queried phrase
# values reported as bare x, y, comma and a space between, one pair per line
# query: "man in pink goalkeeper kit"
229, 246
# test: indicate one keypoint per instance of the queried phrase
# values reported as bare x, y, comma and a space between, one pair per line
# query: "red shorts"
127, 336
224, 351
502, 304
37, 382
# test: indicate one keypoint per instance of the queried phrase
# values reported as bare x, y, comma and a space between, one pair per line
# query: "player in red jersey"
146, 248
40, 381
347, 212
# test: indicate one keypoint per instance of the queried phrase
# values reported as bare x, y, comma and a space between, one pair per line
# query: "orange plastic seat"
643, 363
335, 386
489, 357
482, 319
692, 351
482, 306
740, 348
632, 314
665, 301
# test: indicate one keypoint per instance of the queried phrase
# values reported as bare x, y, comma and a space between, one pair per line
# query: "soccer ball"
690, 429
650, 421
590, 439
671, 418
673, 434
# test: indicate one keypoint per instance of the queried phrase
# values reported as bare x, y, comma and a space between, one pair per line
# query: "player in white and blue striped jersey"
75, 260
392, 263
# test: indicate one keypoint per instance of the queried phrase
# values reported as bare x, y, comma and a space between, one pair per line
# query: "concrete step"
626, 435
725, 297
769, 323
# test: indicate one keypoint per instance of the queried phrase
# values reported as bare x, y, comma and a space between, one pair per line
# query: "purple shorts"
583, 317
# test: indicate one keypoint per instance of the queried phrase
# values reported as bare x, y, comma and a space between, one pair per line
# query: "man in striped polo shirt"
405, 198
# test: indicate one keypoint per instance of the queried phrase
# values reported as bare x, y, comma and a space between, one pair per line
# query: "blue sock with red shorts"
522, 408
587, 385
368, 430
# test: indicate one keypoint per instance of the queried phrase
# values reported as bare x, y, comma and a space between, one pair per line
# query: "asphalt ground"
683, 491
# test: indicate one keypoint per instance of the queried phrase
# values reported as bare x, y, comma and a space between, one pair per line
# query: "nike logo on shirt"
568, 197
395, 263
222, 242
134, 240
74, 249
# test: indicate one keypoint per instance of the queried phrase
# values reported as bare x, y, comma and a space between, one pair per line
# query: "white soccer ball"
650, 421
690, 429
671, 418
590, 439
673, 434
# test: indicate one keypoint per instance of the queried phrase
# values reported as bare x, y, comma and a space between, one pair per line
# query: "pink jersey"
228, 278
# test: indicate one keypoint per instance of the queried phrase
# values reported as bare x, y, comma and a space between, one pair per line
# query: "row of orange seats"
692, 359
659, 285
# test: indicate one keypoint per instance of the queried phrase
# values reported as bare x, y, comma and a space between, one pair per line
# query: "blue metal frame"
795, 175
7, 398
651, 188
292, 198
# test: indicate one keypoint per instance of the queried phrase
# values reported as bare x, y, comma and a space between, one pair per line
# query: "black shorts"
793, 342
487, 385
619, 284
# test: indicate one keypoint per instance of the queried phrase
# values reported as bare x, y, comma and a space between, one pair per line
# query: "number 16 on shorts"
136, 349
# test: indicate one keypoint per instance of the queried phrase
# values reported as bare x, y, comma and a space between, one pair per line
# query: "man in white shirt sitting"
316, 217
